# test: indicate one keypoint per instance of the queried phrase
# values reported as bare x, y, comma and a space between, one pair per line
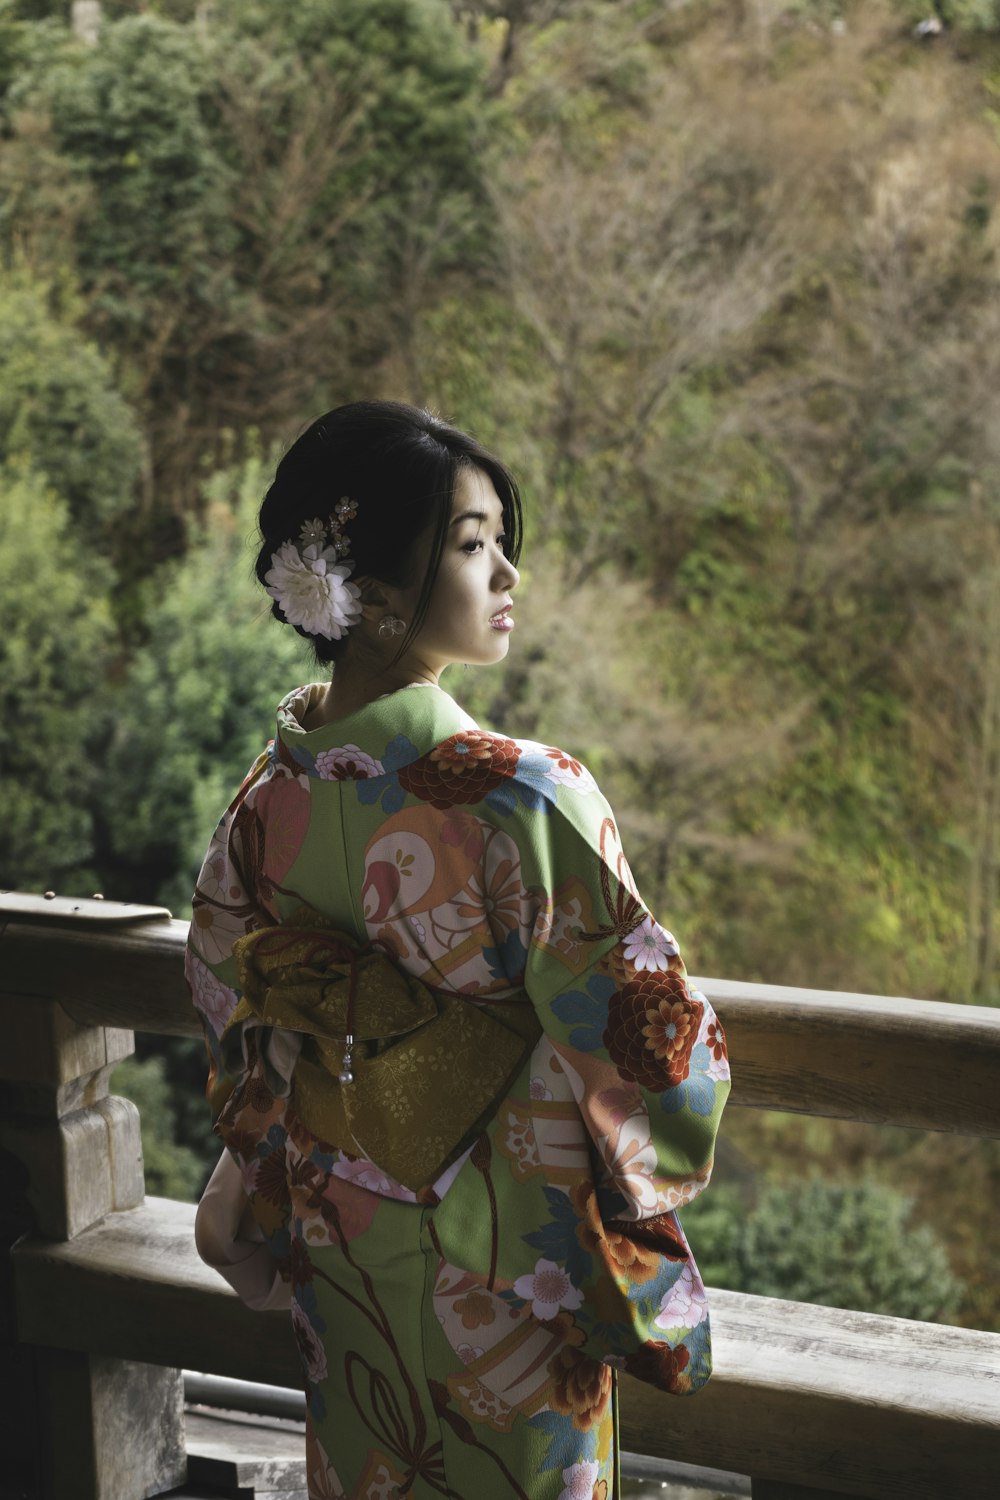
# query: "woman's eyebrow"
473, 515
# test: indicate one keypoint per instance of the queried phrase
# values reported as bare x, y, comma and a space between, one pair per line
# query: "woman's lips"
504, 620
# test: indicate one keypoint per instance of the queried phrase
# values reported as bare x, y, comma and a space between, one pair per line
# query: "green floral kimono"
478, 1224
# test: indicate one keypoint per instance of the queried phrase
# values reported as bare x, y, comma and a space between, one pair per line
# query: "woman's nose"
509, 574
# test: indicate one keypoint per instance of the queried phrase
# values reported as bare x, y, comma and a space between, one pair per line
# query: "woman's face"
464, 622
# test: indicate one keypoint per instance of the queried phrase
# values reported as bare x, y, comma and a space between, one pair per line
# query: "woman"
454, 1058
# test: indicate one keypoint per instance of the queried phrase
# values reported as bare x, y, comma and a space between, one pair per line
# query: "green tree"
840, 1245
197, 703
56, 640
255, 207
969, 15
172, 1170
60, 411
130, 115
410, 190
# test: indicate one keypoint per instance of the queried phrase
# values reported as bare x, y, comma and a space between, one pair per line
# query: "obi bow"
426, 1068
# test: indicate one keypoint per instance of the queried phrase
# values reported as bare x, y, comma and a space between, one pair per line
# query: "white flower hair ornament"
308, 580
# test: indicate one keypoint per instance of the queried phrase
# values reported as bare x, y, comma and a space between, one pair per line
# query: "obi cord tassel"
347, 1066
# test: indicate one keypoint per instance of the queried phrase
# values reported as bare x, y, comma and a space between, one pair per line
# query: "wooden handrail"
801, 1395
920, 1063
862, 1404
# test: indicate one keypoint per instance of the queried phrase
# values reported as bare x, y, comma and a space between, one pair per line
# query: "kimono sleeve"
247, 1110
645, 1057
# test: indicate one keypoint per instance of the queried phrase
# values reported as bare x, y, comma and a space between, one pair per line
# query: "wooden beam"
101, 974
850, 1402
135, 1283
919, 1063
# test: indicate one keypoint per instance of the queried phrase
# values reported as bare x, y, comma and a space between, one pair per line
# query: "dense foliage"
869, 1257
720, 280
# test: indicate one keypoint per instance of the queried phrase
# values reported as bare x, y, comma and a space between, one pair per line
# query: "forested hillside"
719, 279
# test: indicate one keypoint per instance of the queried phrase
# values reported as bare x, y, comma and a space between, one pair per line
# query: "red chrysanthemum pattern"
661, 1366
581, 1387
270, 1179
652, 1026
715, 1041
461, 769
298, 1265
255, 1094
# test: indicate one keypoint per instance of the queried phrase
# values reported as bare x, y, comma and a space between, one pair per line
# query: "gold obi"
429, 1066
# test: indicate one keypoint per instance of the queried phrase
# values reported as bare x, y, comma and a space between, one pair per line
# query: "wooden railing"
111, 1301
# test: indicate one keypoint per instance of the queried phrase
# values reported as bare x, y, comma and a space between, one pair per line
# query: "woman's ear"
374, 598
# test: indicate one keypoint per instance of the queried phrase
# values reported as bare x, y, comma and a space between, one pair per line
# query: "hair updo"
399, 464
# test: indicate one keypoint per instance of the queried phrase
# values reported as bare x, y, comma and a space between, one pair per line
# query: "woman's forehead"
475, 492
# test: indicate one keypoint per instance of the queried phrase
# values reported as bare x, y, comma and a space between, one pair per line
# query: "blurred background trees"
721, 282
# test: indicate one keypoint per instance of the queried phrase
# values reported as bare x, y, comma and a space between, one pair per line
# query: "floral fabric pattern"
464, 1338
462, 769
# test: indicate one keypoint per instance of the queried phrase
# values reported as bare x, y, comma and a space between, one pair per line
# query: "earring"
389, 625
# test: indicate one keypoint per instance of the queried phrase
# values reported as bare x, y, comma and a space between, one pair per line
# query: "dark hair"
400, 465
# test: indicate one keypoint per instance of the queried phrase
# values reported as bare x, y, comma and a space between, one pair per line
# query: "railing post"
82, 1425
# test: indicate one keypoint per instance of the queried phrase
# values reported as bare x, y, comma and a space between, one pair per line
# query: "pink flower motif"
460, 830
710, 1032
367, 1175
548, 1289
684, 1305
283, 805
580, 1480
564, 770
537, 1089
621, 1103
347, 763
467, 1353
310, 1345
213, 999
650, 946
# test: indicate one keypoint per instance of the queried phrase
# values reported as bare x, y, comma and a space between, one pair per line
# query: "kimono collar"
392, 730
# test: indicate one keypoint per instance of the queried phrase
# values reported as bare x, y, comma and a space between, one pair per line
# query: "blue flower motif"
509, 959
399, 752
386, 789
279, 1244
697, 1092
566, 1443
614, 1336
588, 1008
303, 758
531, 785
646, 1298
381, 789
558, 1240
305, 1296
699, 1347
647, 1295
324, 1160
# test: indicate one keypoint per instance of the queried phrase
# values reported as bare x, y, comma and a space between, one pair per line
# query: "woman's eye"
471, 547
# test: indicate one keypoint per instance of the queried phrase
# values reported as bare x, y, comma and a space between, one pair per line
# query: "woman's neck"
350, 690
